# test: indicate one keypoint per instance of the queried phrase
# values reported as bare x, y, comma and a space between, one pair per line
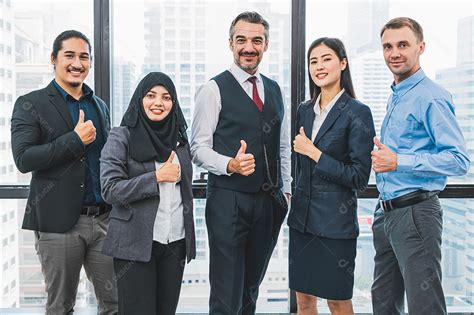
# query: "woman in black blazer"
146, 175
333, 148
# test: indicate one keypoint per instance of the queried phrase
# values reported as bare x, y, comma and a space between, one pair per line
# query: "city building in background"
188, 40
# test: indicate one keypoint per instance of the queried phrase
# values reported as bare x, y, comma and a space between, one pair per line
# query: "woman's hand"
168, 172
303, 145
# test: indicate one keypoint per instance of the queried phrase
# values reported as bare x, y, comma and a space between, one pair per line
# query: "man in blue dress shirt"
421, 145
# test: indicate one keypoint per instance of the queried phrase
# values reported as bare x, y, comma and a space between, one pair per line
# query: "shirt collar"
86, 91
401, 88
241, 75
328, 107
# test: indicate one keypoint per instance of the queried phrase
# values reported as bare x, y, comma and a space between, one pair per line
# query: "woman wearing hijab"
146, 175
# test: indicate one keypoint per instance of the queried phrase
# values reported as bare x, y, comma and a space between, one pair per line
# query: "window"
26, 49
358, 26
201, 49
27, 31
185, 67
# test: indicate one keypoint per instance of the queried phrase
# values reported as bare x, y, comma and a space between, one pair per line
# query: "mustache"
75, 69
249, 54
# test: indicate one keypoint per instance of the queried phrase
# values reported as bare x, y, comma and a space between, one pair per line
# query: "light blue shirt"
421, 128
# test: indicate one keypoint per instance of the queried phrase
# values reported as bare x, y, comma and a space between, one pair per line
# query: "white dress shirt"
321, 114
206, 116
169, 221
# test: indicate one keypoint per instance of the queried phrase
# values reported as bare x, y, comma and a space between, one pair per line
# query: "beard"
75, 84
248, 67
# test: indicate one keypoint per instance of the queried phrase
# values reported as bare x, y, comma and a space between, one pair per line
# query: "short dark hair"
402, 21
58, 41
346, 79
251, 17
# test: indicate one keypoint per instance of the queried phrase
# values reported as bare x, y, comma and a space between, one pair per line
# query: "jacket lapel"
308, 122
102, 116
332, 116
58, 101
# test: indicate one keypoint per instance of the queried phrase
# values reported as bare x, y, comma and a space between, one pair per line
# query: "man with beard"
57, 134
240, 135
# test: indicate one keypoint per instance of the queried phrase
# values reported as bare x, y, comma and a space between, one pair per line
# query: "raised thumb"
81, 116
171, 158
243, 147
302, 131
378, 143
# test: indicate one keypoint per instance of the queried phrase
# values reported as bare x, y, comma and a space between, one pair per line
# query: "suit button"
82, 159
82, 185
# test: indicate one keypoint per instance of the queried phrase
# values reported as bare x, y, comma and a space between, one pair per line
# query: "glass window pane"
20, 273
448, 58
25, 47
200, 44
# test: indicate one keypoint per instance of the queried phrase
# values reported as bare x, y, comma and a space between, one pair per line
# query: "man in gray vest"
240, 135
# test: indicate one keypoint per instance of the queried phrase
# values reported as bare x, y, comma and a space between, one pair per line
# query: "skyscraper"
459, 213
9, 290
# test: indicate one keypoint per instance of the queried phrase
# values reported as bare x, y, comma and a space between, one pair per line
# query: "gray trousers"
408, 258
62, 256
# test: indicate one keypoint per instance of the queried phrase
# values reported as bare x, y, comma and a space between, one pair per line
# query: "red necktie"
256, 98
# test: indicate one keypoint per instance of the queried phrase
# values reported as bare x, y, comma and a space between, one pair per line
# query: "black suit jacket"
44, 142
325, 198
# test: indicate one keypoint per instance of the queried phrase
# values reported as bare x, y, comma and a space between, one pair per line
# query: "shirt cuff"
221, 165
405, 162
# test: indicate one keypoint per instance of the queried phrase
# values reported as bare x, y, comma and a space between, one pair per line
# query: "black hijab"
154, 140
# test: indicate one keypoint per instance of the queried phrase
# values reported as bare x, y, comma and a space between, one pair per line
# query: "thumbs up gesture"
168, 172
243, 163
303, 145
85, 130
383, 159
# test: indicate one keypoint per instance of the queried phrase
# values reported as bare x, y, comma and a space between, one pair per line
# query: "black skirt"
320, 266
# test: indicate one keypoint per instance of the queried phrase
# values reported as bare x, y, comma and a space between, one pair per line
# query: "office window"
450, 41
202, 52
26, 51
26, 37
358, 25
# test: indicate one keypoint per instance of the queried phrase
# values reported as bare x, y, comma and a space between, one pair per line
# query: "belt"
94, 211
406, 200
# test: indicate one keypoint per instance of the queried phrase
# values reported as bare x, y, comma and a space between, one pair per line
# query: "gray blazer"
131, 188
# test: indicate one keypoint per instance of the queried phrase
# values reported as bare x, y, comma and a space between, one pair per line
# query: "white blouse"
169, 221
321, 115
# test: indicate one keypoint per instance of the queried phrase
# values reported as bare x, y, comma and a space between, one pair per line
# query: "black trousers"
243, 229
152, 287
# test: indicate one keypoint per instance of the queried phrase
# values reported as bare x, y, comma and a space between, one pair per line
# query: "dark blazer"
325, 198
44, 142
131, 187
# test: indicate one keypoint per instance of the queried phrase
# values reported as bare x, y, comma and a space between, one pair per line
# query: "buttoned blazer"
325, 198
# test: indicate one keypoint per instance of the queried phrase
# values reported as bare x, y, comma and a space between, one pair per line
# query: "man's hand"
85, 130
303, 145
243, 163
383, 159
168, 172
